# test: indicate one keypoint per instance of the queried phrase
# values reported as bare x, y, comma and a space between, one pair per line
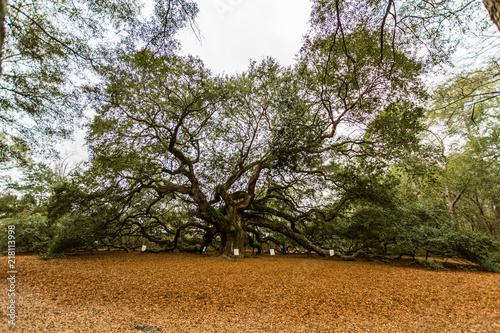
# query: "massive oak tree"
254, 157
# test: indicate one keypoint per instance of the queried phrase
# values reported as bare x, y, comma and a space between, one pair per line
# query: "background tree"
324, 154
47, 50
466, 111
24, 204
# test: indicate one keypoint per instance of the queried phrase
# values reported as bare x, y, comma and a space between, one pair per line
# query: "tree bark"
451, 204
496, 205
493, 7
355, 256
3, 13
234, 235
254, 245
232, 239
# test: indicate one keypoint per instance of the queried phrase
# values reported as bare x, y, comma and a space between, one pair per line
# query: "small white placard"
332, 253
143, 248
271, 251
204, 248
236, 252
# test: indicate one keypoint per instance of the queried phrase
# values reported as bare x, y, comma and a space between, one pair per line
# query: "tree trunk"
493, 7
496, 205
234, 236
3, 12
451, 205
254, 245
482, 225
207, 240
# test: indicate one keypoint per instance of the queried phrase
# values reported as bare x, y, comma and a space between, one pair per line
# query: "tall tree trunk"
481, 218
3, 13
451, 204
493, 7
496, 205
496, 227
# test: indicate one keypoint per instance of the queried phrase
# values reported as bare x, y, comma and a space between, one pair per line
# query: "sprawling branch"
262, 239
282, 229
48, 34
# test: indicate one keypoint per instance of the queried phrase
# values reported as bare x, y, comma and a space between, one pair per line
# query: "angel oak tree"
175, 148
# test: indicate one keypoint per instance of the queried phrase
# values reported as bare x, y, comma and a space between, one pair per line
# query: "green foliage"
12, 148
397, 128
381, 218
36, 181
32, 232
472, 246
428, 26
466, 108
492, 262
64, 196
296, 136
52, 47
74, 233
467, 103
433, 265
11, 205
45, 216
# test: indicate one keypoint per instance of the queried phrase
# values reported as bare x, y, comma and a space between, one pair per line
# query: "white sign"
272, 252
204, 248
236, 252
332, 253
143, 248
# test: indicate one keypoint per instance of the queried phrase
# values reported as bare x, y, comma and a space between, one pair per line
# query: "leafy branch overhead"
48, 50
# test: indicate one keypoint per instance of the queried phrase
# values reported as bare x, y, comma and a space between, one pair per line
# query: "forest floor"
179, 292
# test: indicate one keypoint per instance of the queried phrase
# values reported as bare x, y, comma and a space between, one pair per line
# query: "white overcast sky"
237, 31
233, 33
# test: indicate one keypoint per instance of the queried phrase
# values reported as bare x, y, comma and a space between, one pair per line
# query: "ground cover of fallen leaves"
179, 292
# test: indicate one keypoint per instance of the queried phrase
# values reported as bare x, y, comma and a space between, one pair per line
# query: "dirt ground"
177, 292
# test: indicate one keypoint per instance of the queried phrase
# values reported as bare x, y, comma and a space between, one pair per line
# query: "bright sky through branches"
237, 31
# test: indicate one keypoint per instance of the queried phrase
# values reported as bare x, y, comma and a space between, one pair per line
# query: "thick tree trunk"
254, 245
207, 239
234, 236
233, 239
493, 7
